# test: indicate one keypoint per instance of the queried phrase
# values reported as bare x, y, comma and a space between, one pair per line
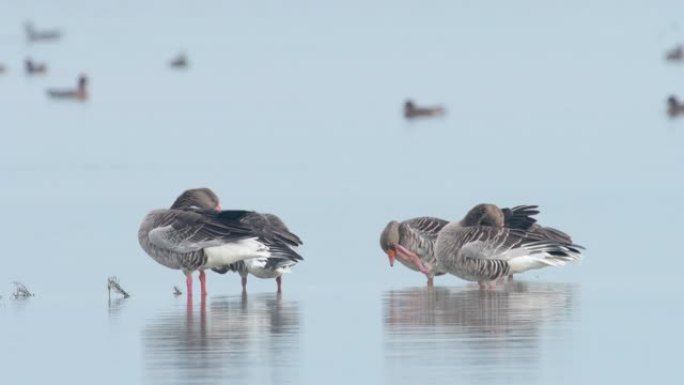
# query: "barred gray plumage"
418, 235
485, 254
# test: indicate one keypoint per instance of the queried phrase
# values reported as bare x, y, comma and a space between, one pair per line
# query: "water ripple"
236, 338
481, 336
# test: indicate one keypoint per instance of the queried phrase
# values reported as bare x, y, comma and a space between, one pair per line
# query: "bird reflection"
483, 336
114, 306
236, 337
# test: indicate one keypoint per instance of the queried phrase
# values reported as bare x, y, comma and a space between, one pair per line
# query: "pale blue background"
295, 108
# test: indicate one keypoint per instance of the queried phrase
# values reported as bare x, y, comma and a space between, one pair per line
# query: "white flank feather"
538, 256
257, 267
233, 252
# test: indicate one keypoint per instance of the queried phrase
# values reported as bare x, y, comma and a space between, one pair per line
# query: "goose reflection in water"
241, 338
477, 336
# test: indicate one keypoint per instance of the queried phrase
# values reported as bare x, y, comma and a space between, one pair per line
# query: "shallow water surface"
294, 108
473, 335
246, 338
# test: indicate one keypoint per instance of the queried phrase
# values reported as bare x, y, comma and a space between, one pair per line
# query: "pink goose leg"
279, 281
203, 282
244, 284
188, 284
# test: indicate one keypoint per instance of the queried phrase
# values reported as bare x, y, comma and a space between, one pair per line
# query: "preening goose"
194, 235
412, 241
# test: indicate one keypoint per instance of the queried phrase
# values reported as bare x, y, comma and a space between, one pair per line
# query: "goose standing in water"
487, 254
195, 234
412, 241
80, 93
413, 111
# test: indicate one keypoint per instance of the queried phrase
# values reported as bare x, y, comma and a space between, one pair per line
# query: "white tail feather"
539, 256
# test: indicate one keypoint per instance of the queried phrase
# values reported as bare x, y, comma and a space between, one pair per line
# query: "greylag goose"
193, 235
412, 241
266, 267
485, 254
34, 35
413, 111
674, 106
80, 93
180, 61
33, 68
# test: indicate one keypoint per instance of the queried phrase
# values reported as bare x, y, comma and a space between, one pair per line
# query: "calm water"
295, 109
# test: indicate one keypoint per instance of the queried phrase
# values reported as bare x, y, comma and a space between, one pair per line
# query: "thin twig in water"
113, 283
176, 291
21, 290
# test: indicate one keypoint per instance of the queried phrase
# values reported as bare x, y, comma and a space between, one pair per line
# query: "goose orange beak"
408, 255
392, 255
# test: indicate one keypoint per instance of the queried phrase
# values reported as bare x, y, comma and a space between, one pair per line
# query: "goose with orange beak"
412, 242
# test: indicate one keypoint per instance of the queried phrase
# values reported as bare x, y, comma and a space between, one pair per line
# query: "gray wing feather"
419, 234
520, 217
186, 231
550, 233
425, 226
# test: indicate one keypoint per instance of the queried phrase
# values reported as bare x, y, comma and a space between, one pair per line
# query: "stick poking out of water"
21, 290
113, 283
176, 291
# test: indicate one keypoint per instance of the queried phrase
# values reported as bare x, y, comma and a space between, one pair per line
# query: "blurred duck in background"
412, 111
33, 68
674, 106
675, 54
46, 35
3, 69
80, 93
180, 61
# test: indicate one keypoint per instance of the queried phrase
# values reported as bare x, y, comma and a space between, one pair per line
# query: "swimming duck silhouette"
34, 35
79, 93
180, 61
412, 111
33, 68
674, 106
